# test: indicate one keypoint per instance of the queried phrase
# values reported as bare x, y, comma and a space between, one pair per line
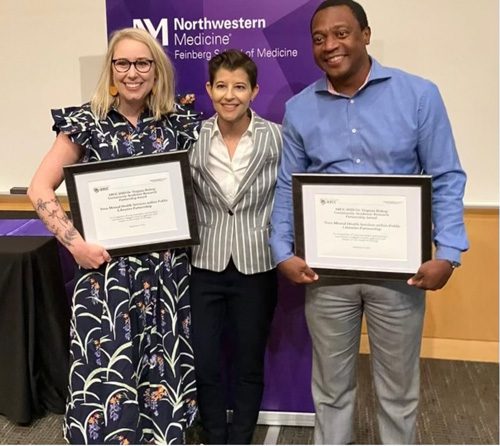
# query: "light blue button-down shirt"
395, 124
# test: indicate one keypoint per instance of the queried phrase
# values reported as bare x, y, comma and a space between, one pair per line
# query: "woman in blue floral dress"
131, 374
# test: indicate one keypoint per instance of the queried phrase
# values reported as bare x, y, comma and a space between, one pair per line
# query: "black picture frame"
84, 183
310, 190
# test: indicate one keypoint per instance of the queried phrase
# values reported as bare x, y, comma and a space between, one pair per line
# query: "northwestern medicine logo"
151, 29
160, 31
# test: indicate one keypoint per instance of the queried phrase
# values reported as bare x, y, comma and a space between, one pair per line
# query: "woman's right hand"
89, 255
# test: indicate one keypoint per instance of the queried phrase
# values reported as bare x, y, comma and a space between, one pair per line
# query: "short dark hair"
355, 7
232, 60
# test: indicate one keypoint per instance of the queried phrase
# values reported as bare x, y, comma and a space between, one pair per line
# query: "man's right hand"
296, 270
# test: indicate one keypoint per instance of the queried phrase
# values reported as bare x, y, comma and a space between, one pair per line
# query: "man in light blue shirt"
363, 118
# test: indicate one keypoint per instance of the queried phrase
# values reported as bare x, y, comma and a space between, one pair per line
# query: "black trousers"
243, 306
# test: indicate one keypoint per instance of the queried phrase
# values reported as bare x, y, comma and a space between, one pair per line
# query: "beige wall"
461, 320
51, 53
45, 46
467, 308
455, 44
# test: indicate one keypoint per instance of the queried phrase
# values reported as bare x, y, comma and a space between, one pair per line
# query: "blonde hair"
160, 100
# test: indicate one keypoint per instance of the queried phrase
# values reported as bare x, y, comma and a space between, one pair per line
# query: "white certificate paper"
361, 227
136, 205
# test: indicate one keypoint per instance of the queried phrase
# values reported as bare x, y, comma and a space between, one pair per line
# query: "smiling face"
133, 87
339, 47
231, 94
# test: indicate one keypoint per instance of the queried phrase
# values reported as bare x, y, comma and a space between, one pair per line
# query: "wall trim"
481, 206
270, 418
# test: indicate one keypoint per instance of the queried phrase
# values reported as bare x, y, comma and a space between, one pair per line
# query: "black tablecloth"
34, 328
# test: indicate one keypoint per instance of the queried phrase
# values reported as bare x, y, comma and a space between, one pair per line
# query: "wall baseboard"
454, 349
271, 418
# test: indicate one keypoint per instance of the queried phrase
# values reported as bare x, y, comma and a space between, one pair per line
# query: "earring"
113, 91
153, 90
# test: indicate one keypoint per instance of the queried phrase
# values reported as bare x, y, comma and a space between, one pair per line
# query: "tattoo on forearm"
53, 215
68, 236
43, 205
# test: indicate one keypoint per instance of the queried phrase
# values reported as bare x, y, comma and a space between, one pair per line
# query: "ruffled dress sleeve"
187, 124
75, 122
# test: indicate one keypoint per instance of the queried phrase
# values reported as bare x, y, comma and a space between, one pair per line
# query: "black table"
34, 328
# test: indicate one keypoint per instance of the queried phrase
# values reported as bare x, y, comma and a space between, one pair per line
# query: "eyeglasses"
141, 65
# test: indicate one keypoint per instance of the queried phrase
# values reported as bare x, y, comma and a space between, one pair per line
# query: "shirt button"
352, 101
230, 212
358, 160
353, 130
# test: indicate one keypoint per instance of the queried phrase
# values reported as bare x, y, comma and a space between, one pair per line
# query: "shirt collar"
377, 73
249, 130
331, 88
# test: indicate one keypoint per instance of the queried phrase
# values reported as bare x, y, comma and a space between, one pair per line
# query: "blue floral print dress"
132, 370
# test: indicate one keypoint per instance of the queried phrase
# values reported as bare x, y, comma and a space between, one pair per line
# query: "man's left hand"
432, 275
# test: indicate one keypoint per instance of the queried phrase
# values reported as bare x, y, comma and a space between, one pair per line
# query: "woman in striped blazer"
233, 284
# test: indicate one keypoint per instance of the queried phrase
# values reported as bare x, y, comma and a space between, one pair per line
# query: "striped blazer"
240, 229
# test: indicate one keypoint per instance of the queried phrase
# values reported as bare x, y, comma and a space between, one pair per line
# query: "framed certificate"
134, 205
370, 226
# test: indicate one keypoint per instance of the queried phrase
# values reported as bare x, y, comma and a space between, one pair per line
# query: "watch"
453, 264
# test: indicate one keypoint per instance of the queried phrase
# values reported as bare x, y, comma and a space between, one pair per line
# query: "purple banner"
276, 35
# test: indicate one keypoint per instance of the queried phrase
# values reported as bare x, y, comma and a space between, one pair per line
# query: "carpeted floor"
458, 405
